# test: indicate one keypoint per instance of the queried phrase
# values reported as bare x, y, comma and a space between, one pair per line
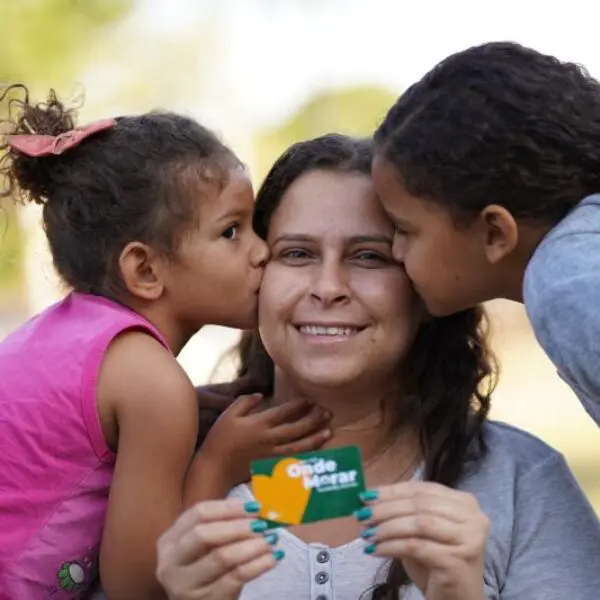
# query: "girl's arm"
155, 410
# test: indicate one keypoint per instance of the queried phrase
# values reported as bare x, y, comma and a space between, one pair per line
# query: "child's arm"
244, 433
154, 406
562, 298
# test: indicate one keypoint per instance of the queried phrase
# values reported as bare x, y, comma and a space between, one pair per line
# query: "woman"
463, 508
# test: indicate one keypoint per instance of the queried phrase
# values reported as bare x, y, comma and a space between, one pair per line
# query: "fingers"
415, 526
244, 405
310, 423
306, 444
201, 538
234, 581
427, 552
415, 497
406, 489
232, 559
405, 507
213, 510
238, 557
284, 413
416, 519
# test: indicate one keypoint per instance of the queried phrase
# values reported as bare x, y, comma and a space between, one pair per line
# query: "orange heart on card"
282, 498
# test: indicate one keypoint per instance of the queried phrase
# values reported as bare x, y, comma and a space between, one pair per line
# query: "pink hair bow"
46, 145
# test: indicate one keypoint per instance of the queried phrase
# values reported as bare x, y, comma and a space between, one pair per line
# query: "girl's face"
334, 306
220, 265
449, 267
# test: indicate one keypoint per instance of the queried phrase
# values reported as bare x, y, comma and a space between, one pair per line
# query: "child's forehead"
230, 194
210, 179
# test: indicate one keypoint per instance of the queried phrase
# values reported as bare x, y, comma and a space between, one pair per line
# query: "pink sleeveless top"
55, 466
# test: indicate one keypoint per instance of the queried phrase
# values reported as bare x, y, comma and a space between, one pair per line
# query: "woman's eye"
294, 254
231, 232
371, 257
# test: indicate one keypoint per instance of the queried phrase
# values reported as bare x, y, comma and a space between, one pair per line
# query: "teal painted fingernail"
278, 554
271, 538
367, 533
252, 506
258, 526
364, 513
370, 549
369, 495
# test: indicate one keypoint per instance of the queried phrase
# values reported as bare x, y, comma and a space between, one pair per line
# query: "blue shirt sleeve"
562, 298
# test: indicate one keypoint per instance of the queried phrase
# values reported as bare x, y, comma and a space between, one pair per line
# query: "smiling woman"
333, 300
458, 507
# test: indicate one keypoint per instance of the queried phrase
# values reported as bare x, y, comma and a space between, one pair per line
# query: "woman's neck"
369, 418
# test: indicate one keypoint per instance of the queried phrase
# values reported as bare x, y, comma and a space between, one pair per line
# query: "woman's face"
334, 307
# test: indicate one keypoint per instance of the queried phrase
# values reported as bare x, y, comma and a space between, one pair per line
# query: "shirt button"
323, 556
321, 577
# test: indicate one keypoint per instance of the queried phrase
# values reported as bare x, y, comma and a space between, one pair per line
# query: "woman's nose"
330, 285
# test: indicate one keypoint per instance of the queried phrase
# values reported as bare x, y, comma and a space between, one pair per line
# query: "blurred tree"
43, 43
355, 111
46, 40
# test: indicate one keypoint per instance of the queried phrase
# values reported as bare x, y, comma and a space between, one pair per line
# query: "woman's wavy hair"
447, 376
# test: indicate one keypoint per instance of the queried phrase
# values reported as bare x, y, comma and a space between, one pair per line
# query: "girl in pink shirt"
149, 221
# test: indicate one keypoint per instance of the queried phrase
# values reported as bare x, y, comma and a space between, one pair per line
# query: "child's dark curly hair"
134, 182
498, 124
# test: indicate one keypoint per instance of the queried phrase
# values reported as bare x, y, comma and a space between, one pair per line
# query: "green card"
309, 487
